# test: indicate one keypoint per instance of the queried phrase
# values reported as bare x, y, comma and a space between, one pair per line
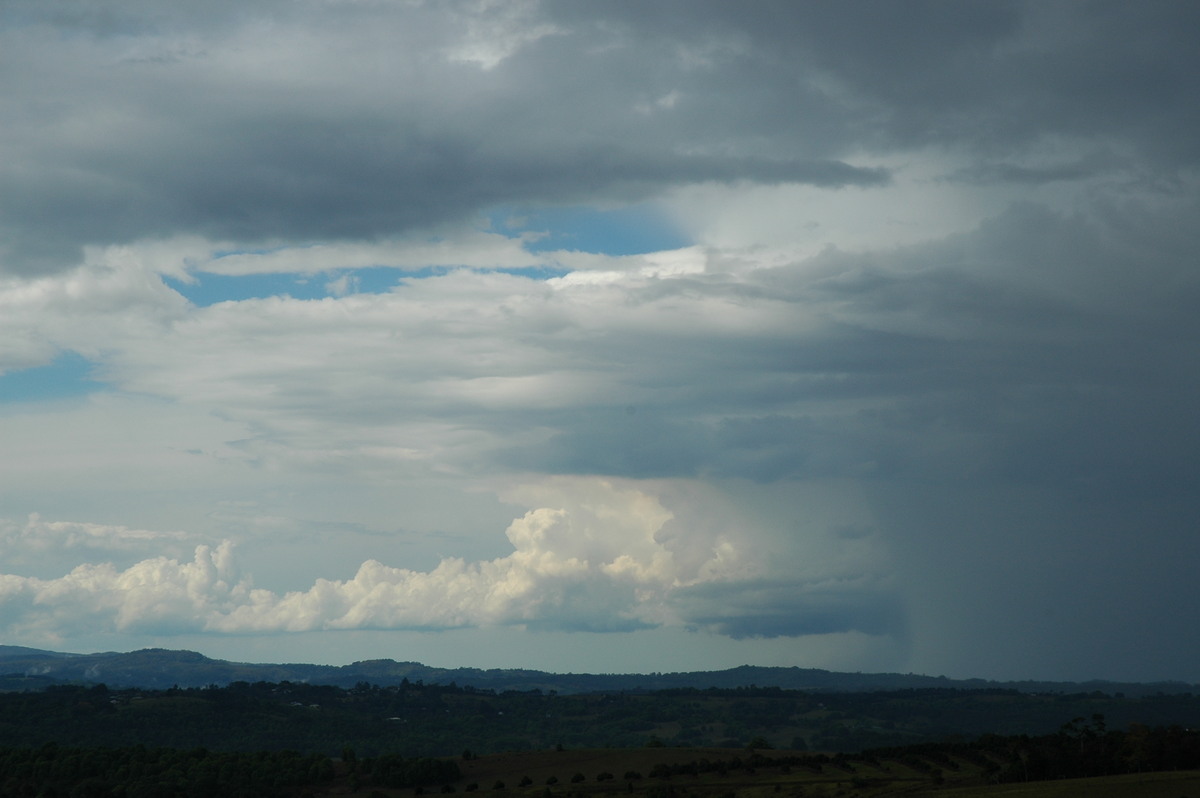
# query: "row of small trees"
140, 772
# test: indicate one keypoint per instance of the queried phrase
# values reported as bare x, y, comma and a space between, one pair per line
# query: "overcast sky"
604, 336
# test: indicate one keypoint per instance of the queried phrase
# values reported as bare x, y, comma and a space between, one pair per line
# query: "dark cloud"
1040, 347
787, 609
982, 76
1036, 175
175, 127
130, 121
1015, 398
1005, 578
615, 441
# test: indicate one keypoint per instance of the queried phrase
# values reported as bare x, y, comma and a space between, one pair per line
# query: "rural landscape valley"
413, 736
599, 399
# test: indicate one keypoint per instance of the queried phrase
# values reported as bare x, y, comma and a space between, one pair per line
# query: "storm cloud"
323, 318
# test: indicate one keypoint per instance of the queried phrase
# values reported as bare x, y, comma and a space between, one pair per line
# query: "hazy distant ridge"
161, 668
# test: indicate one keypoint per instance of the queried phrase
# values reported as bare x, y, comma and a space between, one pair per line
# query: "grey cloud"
985, 77
648, 443
237, 123
1005, 577
1036, 175
618, 440
1042, 347
1015, 398
789, 609
243, 131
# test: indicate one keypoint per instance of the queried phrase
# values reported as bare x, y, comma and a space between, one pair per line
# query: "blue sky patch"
631, 230
69, 375
209, 289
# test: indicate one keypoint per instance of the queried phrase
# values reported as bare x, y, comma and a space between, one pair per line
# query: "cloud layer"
335, 121
253, 127
332, 295
607, 560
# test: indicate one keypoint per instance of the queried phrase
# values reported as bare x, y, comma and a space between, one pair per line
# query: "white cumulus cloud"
603, 559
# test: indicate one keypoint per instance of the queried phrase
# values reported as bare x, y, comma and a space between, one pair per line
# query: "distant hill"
16, 652
155, 668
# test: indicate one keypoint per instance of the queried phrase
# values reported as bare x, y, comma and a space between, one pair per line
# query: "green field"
887, 777
287, 739
1173, 784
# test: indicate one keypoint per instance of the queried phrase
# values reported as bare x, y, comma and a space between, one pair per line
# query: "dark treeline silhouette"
1080, 749
435, 720
141, 772
157, 669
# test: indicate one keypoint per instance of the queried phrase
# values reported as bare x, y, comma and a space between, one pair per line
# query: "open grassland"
1173, 784
585, 774
657, 772
282, 740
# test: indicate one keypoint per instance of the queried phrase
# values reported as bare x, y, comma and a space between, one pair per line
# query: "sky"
604, 336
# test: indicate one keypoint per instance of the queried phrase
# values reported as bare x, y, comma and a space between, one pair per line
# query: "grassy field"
1175, 784
574, 774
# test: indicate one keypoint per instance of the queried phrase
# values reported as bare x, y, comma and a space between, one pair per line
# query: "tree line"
430, 720
141, 772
